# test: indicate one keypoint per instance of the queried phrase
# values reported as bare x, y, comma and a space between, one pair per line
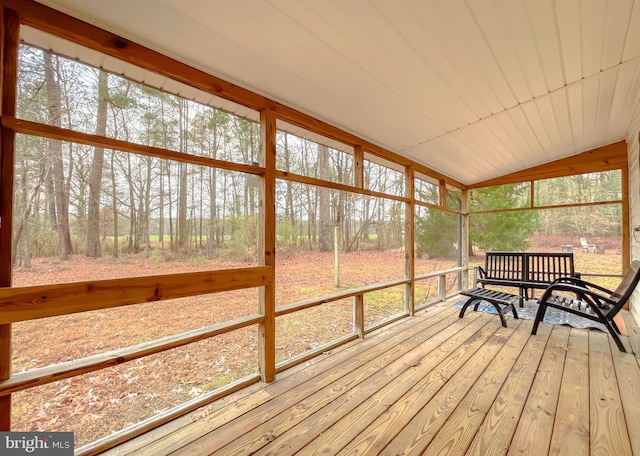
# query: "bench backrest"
530, 267
545, 267
505, 266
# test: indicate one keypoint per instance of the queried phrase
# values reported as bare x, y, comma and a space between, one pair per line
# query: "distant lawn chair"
589, 300
589, 248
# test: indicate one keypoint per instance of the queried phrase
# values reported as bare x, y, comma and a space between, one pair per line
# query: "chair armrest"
583, 293
582, 283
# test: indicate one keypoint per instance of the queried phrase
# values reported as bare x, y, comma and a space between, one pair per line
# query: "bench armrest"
478, 274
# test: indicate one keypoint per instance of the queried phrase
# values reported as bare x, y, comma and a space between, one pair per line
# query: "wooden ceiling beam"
605, 158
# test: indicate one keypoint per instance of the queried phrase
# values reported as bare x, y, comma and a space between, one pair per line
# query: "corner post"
10, 36
409, 241
267, 300
464, 240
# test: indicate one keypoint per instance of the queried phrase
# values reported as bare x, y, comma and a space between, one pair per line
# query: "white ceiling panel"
474, 89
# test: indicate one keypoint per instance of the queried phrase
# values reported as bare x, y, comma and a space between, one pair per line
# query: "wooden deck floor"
432, 384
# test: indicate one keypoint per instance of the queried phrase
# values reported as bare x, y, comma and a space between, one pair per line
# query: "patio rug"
528, 312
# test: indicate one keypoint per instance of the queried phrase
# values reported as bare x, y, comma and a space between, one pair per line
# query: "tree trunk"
94, 249
290, 212
116, 241
161, 216
55, 151
325, 231
133, 244
182, 229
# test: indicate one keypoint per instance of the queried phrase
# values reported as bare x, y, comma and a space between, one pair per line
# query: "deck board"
431, 384
533, 434
571, 427
609, 435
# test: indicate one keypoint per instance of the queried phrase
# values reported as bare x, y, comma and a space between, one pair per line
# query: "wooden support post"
442, 287
358, 315
409, 241
463, 276
8, 86
626, 221
442, 193
358, 167
267, 304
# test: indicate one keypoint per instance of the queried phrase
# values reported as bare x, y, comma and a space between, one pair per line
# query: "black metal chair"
589, 300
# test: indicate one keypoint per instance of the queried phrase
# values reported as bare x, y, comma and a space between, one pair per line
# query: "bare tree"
55, 151
94, 249
325, 229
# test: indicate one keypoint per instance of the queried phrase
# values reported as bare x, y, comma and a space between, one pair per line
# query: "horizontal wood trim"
54, 373
337, 186
606, 158
435, 206
535, 208
301, 305
440, 273
140, 428
28, 303
64, 134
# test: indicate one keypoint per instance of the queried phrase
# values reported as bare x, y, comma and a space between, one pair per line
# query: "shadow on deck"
432, 384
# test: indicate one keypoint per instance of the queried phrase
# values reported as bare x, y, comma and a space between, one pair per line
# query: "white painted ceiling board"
620, 112
505, 136
574, 102
546, 113
518, 64
523, 125
532, 113
540, 15
632, 102
407, 78
606, 91
458, 30
426, 52
496, 84
590, 100
558, 99
570, 31
616, 31
632, 43
593, 35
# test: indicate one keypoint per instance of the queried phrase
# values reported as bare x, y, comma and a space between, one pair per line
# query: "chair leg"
613, 334
542, 309
615, 326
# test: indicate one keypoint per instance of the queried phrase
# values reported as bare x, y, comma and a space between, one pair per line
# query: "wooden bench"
524, 270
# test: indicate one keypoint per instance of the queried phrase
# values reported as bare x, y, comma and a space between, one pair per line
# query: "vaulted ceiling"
474, 89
